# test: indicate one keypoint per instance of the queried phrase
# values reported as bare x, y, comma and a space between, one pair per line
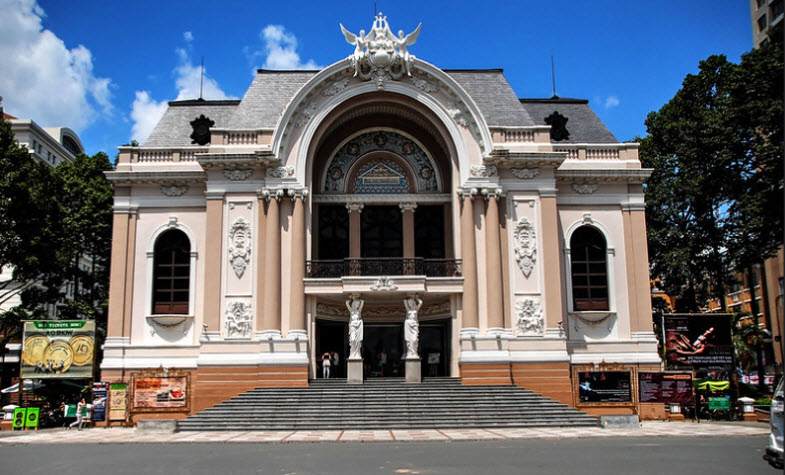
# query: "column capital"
407, 206
358, 207
268, 194
492, 193
467, 192
301, 193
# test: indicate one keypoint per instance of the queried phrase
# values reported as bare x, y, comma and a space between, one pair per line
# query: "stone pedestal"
413, 371
354, 371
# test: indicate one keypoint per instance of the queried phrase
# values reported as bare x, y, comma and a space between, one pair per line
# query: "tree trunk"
754, 311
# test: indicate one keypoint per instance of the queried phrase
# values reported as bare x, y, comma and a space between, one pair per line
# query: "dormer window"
201, 130
558, 125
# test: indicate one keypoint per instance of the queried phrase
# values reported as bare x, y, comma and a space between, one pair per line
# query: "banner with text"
53, 349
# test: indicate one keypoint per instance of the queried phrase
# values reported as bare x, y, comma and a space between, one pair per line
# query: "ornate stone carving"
280, 172
238, 174
380, 55
201, 130
424, 85
174, 190
484, 171
411, 327
525, 245
584, 188
240, 246
525, 173
238, 320
384, 283
355, 307
336, 87
530, 321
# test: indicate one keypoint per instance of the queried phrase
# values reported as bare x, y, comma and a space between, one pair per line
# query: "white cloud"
41, 78
146, 111
612, 101
188, 36
280, 50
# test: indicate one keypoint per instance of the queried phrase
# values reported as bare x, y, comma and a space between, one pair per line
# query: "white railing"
572, 153
602, 153
517, 135
622, 151
241, 138
154, 156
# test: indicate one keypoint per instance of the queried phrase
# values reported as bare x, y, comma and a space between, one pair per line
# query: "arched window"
171, 273
588, 255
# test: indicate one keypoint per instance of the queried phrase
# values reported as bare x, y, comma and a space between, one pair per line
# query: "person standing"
326, 365
334, 360
80, 411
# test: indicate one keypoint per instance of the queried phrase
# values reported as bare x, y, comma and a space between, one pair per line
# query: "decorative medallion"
201, 130
380, 55
558, 125
483, 171
174, 190
384, 284
240, 246
238, 174
584, 188
525, 246
529, 318
280, 172
525, 173
238, 320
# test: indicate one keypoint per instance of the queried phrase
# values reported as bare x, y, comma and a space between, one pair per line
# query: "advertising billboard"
605, 386
54, 349
152, 392
665, 387
698, 341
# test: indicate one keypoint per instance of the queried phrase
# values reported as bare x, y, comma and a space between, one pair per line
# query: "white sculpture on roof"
379, 54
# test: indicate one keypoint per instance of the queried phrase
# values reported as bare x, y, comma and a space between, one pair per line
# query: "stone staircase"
386, 404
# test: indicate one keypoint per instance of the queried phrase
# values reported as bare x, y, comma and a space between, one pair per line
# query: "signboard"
99, 401
698, 341
31, 417
160, 392
19, 418
605, 386
58, 349
665, 387
118, 401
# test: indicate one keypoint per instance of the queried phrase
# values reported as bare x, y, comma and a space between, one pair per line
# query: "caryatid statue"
411, 327
355, 306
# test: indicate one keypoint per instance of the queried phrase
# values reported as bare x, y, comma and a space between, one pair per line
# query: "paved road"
643, 455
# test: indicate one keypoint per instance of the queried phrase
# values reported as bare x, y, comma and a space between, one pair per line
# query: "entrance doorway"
332, 337
435, 348
383, 350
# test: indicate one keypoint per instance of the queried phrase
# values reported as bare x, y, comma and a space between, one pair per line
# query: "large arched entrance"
381, 176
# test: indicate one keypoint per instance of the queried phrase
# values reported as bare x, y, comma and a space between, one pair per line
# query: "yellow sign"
58, 349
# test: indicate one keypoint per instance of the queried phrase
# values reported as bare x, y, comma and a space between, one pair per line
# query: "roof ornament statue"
380, 55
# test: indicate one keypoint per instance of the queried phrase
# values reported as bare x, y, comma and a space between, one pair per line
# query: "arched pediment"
336, 84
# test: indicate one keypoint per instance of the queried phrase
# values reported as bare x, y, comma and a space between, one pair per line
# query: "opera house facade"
411, 221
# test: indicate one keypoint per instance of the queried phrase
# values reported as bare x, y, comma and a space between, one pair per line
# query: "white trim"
484, 356
139, 362
173, 223
531, 356
626, 357
252, 359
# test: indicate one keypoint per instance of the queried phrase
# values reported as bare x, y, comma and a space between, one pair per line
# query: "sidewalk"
125, 435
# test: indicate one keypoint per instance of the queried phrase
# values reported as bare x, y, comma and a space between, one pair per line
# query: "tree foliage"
714, 200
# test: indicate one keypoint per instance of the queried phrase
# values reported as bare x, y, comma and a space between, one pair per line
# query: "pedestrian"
326, 365
80, 410
334, 360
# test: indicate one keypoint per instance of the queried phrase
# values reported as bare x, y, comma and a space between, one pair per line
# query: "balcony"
383, 266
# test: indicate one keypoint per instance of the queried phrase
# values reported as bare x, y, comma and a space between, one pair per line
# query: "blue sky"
106, 68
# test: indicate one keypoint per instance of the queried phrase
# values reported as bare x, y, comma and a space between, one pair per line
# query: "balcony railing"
383, 266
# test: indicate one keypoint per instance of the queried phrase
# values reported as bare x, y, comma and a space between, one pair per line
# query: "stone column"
271, 322
493, 258
411, 333
212, 263
261, 238
122, 258
408, 228
471, 321
297, 306
552, 256
355, 226
635, 221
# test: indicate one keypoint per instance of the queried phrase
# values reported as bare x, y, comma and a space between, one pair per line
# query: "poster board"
160, 392
57, 349
605, 387
698, 342
118, 401
667, 388
100, 390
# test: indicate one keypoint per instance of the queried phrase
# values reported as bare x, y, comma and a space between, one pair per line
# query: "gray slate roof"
582, 123
174, 129
266, 98
494, 96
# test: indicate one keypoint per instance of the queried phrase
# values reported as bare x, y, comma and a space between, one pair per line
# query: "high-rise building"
767, 18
